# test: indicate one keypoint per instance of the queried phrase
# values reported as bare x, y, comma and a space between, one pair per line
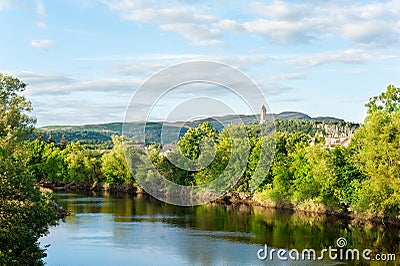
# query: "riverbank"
61, 212
234, 197
342, 212
97, 187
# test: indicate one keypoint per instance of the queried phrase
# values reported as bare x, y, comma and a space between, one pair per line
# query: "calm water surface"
108, 229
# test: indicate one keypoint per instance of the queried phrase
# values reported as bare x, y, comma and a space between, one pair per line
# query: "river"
106, 229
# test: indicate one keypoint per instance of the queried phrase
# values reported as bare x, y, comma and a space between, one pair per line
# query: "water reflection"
117, 229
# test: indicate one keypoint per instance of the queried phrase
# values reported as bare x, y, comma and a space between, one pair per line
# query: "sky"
83, 60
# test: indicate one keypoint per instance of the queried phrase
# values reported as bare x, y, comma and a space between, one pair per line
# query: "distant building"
332, 142
263, 114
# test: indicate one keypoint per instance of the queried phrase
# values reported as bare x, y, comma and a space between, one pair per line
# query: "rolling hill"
100, 134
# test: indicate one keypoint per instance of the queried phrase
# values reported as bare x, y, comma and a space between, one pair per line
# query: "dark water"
122, 230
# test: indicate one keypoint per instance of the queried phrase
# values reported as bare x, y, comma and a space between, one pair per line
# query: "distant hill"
328, 119
218, 121
292, 116
301, 116
100, 134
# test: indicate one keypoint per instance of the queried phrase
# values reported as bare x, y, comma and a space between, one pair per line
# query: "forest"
362, 178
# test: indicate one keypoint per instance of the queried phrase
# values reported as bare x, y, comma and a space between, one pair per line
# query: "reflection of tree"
237, 223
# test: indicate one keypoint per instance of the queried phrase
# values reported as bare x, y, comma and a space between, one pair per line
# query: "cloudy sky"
83, 59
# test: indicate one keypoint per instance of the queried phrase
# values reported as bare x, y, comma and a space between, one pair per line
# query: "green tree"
190, 143
314, 176
387, 102
35, 158
218, 164
25, 212
54, 164
282, 170
83, 165
377, 145
114, 165
349, 178
169, 170
15, 123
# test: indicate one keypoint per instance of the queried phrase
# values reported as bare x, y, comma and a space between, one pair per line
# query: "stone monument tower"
263, 114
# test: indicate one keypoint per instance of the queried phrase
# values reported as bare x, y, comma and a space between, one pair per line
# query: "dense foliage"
77, 163
25, 212
364, 176
377, 146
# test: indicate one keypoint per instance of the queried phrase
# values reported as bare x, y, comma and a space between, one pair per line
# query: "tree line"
74, 162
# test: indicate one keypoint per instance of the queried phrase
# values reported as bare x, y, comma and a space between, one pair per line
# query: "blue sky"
83, 59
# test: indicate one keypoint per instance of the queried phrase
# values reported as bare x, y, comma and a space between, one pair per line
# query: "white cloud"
137, 68
148, 57
144, 65
40, 9
229, 24
369, 23
285, 22
362, 23
290, 76
196, 27
279, 10
41, 78
375, 23
347, 56
65, 109
370, 32
199, 34
281, 31
50, 83
42, 44
115, 85
59, 98
272, 89
105, 99
148, 11
164, 15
